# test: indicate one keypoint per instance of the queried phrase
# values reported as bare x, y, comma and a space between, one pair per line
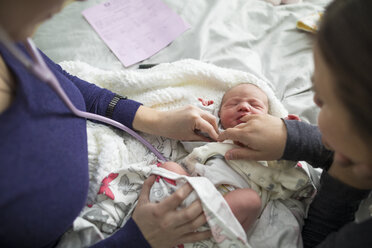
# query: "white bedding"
125, 163
248, 35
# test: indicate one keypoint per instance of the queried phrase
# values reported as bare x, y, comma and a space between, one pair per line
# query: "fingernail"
228, 156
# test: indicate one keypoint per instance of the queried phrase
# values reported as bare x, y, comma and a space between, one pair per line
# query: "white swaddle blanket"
270, 179
119, 164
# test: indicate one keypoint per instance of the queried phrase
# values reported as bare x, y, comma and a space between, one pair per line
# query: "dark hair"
345, 42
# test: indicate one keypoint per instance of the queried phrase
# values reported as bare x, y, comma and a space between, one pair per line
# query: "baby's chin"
232, 124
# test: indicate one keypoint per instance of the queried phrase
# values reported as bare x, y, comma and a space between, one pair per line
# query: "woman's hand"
262, 137
357, 175
162, 224
182, 124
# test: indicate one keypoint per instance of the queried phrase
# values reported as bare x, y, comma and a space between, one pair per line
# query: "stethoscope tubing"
39, 68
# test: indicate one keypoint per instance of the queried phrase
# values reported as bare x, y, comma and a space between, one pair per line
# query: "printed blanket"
119, 164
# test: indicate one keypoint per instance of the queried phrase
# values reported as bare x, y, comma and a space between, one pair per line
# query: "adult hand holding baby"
162, 224
187, 120
181, 123
263, 138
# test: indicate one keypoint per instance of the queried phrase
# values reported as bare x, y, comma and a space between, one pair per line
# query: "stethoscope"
38, 67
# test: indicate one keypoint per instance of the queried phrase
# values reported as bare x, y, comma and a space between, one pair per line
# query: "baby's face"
241, 100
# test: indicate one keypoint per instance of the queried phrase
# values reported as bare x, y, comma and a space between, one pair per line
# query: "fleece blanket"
115, 158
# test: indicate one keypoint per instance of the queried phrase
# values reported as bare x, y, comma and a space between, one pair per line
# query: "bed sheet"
118, 156
247, 35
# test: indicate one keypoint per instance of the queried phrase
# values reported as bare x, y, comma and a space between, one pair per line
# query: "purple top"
44, 159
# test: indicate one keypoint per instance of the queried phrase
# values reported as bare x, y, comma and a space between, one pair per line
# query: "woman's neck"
7, 86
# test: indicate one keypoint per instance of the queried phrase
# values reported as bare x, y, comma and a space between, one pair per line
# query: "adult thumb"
240, 153
145, 191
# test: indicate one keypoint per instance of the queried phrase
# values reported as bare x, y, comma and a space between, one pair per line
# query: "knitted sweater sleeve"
304, 142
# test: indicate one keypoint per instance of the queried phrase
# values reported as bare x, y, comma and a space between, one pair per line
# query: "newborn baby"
245, 203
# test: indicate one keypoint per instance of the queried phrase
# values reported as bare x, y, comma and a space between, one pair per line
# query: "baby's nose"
244, 106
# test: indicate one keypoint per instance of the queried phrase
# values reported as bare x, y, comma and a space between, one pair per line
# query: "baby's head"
243, 99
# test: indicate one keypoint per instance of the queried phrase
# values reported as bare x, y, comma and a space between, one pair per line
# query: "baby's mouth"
238, 120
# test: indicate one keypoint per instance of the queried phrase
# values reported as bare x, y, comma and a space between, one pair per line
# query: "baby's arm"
172, 166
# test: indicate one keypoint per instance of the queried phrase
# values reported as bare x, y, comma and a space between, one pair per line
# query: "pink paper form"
135, 30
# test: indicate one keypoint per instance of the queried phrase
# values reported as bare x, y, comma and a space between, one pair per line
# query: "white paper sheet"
135, 29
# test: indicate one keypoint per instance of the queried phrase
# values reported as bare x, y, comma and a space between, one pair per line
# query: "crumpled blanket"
119, 164
270, 179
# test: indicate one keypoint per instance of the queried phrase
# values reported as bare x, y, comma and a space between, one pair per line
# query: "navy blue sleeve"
97, 99
304, 142
128, 236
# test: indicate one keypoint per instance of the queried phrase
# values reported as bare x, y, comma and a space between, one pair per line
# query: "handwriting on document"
135, 30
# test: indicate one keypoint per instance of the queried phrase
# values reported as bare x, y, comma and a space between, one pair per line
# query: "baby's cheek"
228, 123
258, 112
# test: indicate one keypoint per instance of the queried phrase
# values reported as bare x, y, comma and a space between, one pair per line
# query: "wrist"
283, 135
114, 101
147, 120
